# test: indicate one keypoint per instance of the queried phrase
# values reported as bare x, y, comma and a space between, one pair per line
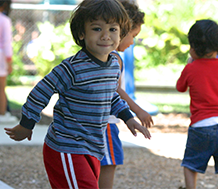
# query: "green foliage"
18, 68
54, 45
50, 48
163, 38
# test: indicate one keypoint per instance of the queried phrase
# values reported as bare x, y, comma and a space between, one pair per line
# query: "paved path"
4, 186
163, 144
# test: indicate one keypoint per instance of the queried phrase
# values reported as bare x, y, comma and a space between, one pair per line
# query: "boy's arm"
133, 125
120, 109
39, 97
36, 102
57, 81
181, 84
144, 117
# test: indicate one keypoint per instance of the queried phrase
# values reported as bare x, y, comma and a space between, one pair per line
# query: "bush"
54, 45
163, 38
48, 50
18, 68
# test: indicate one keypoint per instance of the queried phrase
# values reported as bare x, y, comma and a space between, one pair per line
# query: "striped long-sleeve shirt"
87, 95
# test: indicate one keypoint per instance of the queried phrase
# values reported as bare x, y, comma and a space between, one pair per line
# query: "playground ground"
156, 166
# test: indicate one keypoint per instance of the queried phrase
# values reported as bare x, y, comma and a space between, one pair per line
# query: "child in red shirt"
201, 77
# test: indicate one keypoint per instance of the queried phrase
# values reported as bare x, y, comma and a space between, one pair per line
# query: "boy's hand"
133, 125
145, 118
19, 133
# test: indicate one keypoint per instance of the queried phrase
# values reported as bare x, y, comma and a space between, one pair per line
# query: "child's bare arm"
144, 117
133, 125
19, 133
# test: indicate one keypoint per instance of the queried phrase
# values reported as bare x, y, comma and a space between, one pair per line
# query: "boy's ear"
81, 36
192, 50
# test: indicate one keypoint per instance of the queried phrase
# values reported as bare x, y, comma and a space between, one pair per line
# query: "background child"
200, 76
86, 84
114, 151
6, 53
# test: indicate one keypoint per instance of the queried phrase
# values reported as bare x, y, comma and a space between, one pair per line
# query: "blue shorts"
113, 147
202, 143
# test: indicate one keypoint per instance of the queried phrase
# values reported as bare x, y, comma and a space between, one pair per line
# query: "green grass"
165, 101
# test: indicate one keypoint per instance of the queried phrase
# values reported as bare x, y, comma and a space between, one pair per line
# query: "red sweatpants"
71, 171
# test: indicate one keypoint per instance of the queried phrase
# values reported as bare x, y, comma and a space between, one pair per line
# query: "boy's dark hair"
203, 37
136, 16
90, 10
7, 6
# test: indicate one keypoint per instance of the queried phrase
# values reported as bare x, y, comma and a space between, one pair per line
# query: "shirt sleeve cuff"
27, 123
125, 115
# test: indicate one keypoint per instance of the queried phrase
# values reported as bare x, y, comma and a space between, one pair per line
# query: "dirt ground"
22, 166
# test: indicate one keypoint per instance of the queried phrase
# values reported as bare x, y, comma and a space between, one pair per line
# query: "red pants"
71, 171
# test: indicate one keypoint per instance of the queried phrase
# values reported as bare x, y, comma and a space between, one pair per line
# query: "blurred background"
42, 39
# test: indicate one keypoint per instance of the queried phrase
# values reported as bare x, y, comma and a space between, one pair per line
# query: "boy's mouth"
104, 45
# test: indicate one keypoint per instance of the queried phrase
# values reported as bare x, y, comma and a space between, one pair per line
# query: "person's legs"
199, 148
5, 117
107, 176
190, 178
3, 95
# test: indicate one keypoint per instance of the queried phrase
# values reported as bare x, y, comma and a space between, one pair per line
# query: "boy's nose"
105, 36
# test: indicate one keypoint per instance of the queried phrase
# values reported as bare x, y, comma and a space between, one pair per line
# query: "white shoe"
8, 118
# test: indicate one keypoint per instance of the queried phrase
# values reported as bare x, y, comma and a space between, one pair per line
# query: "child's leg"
71, 170
3, 82
2, 95
8, 106
107, 176
190, 178
113, 157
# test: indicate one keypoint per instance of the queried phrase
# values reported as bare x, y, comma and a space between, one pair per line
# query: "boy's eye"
96, 29
113, 29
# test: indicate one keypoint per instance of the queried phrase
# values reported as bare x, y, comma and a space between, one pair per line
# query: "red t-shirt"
201, 76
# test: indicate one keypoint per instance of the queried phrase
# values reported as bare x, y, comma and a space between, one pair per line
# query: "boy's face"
128, 39
101, 38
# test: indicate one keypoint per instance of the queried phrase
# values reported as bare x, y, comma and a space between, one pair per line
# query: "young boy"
86, 84
114, 152
200, 76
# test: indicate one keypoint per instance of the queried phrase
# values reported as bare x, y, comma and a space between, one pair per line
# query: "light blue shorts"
202, 143
113, 147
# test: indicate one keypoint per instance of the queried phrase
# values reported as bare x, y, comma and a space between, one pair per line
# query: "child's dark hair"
136, 16
7, 6
203, 37
90, 10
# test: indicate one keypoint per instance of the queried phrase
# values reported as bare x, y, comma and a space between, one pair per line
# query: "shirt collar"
96, 60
